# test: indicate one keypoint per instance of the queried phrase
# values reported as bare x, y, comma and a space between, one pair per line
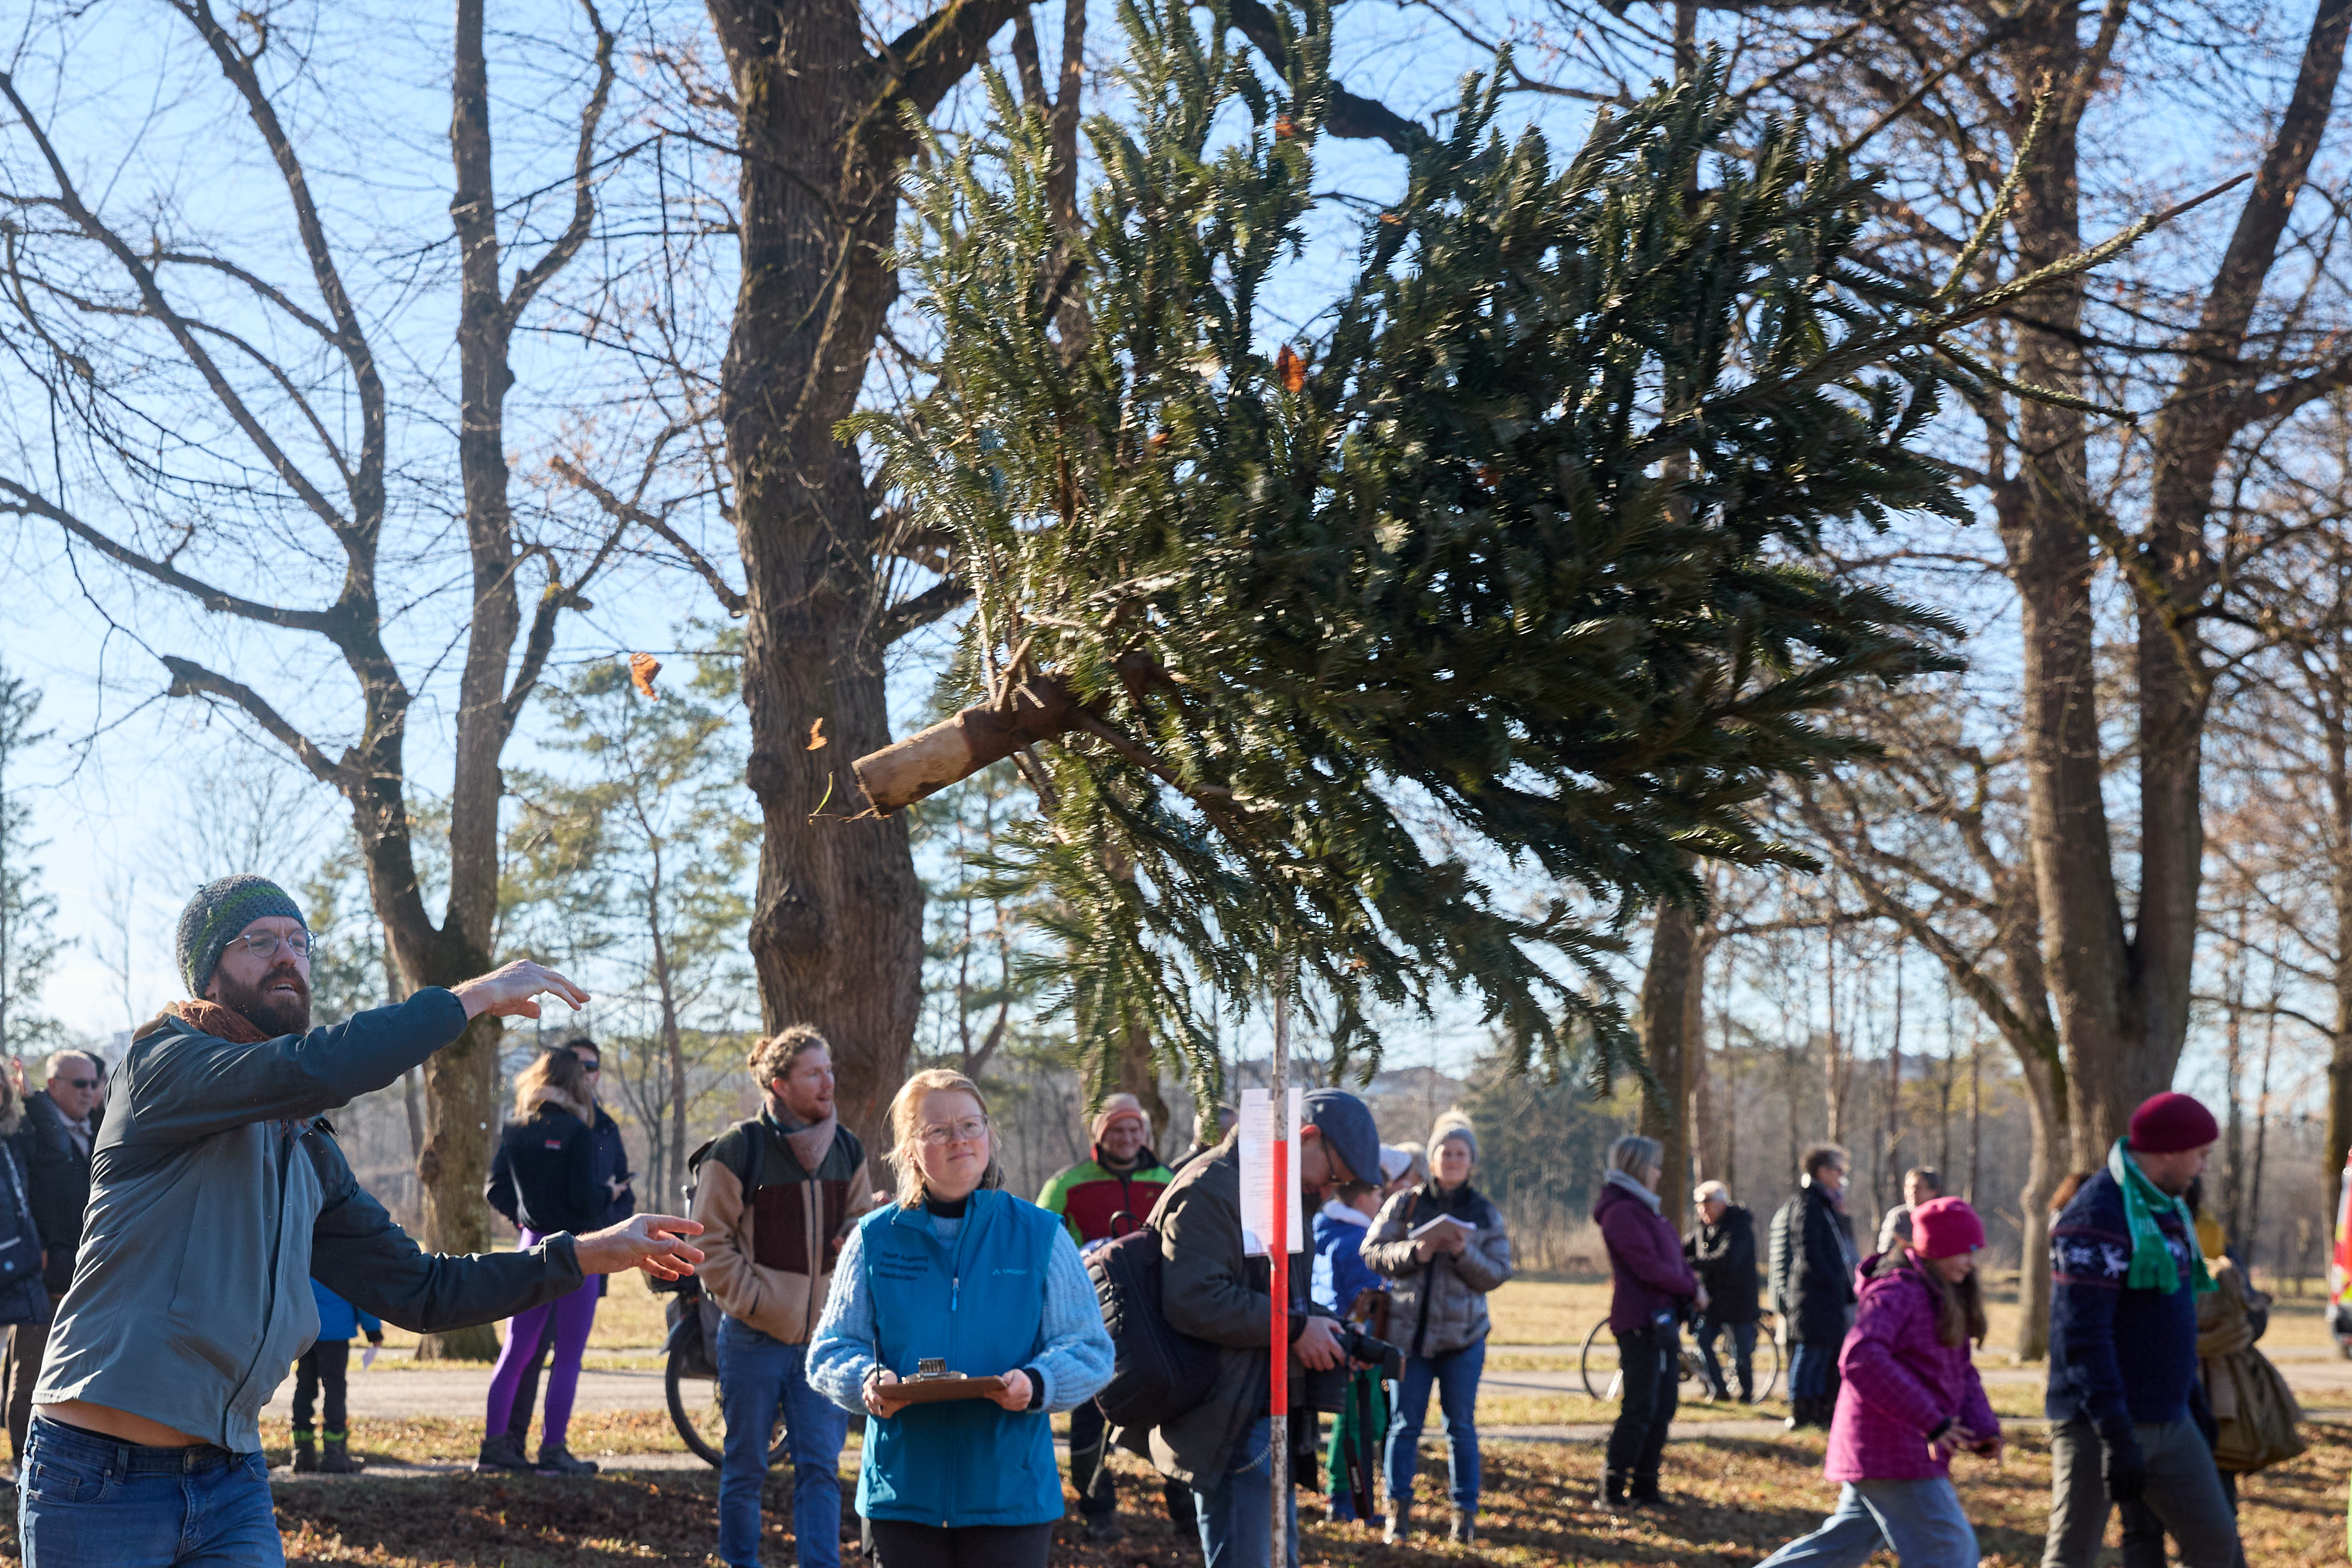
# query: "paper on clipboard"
1439, 1226
1257, 1172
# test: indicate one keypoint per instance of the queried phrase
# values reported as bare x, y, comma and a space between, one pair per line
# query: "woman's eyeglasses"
964, 1132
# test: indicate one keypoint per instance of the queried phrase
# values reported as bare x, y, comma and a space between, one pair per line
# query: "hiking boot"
1613, 1491
501, 1453
1464, 1530
336, 1461
1104, 1528
306, 1455
555, 1459
1645, 1494
1400, 1523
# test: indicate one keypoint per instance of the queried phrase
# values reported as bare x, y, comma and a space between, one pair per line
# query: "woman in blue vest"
962, 1272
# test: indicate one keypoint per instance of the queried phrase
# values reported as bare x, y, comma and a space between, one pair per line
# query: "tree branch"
942, 598
628, 511
530, 279
191, 679
1350, 116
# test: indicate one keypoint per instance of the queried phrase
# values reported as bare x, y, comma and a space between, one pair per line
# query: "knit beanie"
1453, 1124
1945, 1227
1114, 1107
2168, 1123
218, 914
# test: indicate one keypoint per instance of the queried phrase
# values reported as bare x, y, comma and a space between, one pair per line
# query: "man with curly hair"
777, 1196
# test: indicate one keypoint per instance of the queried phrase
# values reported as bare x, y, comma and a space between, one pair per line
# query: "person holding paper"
958, 1467
1447, 1247
320, 1371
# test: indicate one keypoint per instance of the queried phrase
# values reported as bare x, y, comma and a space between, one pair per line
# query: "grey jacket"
1210, 1290
1438, 1307
216, 1194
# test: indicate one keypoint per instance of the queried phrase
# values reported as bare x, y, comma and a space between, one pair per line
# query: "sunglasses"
78, 1082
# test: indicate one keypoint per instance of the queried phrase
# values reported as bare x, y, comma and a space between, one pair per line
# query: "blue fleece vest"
980, 1306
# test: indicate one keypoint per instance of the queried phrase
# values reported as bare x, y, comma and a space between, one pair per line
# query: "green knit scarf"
2152, 1264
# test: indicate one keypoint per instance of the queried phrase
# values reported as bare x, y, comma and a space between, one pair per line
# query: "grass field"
1736, 1500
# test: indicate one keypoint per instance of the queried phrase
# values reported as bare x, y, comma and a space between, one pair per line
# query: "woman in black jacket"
1722, 1253
547, 1153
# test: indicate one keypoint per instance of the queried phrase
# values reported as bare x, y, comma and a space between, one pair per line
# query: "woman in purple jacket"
1654, 1291
1909, 1401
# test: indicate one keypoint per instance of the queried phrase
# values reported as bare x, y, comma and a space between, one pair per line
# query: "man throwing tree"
2126, 1275
216, 1194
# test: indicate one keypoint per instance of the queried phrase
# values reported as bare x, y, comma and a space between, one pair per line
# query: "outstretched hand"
654, 1242
507, 991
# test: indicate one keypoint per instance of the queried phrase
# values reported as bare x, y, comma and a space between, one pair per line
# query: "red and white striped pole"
1278, 1250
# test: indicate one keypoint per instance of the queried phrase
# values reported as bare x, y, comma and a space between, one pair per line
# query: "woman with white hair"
987, 1285
1447, 1247
1722, 1253
1654, 1291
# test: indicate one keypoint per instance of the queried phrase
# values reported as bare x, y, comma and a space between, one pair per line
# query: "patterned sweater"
2115, 1354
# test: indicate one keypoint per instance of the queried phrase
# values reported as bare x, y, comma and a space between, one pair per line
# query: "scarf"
2153, 1265
1623, 1182
809, 1145
212, 1018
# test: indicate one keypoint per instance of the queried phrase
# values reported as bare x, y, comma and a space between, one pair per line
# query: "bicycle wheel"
695, 1410
1767, 1360
1597, 1364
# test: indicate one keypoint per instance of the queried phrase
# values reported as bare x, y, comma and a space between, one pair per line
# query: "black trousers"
1091, 1477
1650, 1362
897, 1544
323, 1369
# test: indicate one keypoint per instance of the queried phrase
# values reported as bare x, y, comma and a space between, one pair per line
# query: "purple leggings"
575, 1314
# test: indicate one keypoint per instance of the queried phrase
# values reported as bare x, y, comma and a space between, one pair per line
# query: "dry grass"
1737, 1501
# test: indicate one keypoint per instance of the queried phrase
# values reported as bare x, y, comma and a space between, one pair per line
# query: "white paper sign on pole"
1257, 1171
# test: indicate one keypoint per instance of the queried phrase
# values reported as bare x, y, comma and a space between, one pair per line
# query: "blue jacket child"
323, 1369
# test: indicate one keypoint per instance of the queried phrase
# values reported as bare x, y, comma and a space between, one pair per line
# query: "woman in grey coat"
1439, 1314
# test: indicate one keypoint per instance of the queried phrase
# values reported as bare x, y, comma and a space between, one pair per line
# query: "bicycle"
1597, 1363
691, 1357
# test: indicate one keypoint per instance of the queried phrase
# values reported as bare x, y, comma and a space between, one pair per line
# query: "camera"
1328, 1390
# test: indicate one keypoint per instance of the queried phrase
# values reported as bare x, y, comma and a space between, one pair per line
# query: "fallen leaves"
816, 740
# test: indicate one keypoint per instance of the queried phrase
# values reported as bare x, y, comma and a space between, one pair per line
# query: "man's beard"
267, 1008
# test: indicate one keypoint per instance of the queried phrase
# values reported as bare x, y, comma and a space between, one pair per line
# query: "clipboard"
940, 1390
1439, 1226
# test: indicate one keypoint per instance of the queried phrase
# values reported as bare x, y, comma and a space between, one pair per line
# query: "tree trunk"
1669, 984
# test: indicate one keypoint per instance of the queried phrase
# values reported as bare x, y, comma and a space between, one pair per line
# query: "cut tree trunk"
1670, 985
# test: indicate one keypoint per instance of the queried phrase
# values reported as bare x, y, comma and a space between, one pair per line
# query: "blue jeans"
1921, 1520
85, 1499
1456, 1375
1743, 1355
758, 1377
1237, 1516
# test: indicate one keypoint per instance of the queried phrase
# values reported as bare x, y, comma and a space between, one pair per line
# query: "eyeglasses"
592, 1067
964, 1132
264, 945
78, 1082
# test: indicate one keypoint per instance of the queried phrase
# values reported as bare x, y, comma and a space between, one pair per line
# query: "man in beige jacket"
776, 1196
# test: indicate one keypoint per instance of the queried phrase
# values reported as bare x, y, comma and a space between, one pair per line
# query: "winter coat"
615, 1180
1440, 1306
339, 1320
545, 1171
1723, 1255
1097, 1203
1899, 1382
57, 1179
1811, 1267
1209, 1289
771, 1228
217, 1194
1340, 1272
1647, 1269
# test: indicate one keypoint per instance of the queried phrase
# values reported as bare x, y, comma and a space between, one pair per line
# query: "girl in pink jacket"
1910, 1400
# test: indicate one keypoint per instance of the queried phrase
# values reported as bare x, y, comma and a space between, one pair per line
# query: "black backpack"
1156, 1374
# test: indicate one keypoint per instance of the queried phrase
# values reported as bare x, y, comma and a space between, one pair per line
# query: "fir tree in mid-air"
1321, 653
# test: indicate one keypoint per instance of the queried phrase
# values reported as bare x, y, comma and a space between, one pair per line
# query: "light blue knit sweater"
1074, 1363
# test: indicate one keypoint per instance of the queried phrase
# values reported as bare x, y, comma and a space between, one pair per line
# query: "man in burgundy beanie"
2126, 1275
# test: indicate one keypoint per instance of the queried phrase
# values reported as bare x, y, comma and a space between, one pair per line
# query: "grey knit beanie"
1453, 1124
217, 914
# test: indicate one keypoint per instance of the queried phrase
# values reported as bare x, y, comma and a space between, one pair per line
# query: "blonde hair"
1634, 1155
907, 1131
772, 1058
555, 1077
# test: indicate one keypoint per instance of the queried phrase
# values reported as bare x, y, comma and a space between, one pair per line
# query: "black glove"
2121, 1464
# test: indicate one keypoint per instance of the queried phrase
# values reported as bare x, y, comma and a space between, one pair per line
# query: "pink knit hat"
1945, 1227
